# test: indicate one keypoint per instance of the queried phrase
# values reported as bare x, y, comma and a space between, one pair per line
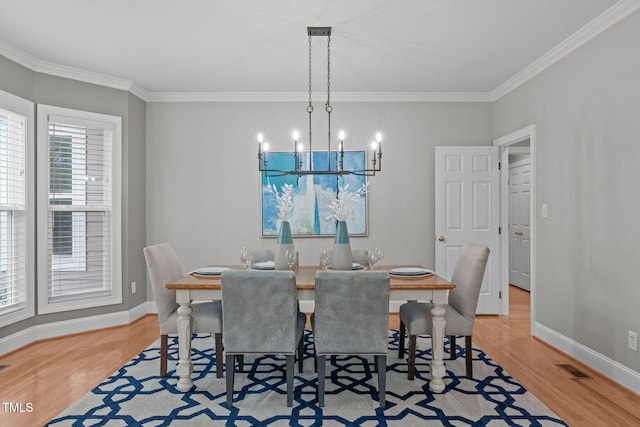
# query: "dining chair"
361, 256
351, 317
460, 312
163, 267
262, 255
261, 317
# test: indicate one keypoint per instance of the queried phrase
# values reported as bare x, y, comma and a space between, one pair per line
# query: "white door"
467, 210
519, 224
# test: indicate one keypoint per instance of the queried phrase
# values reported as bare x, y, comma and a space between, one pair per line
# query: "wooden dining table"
193, 287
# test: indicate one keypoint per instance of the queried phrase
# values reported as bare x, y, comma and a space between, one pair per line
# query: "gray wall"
203, 185
587, 112
47, 89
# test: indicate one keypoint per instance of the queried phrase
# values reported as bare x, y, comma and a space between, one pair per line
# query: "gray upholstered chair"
351, 317
415, 317
163, 267
262, 255
361, 256
261, 317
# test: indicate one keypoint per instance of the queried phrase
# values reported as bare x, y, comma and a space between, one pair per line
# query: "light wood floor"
41, 373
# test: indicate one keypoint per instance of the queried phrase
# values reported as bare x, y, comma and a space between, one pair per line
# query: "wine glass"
290, 256
324, 257
245, 256
373, 260
379, 254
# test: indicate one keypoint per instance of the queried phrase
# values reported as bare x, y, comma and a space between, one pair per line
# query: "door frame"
503, 144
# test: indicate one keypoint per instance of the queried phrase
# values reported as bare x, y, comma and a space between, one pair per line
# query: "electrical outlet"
633, 341
133, 287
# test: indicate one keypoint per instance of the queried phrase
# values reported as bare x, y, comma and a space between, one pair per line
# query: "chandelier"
298, 166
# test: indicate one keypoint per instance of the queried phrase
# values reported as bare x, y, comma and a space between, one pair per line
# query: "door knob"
441, 238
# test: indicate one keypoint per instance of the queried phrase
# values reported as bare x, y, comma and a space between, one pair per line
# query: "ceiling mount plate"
319, 31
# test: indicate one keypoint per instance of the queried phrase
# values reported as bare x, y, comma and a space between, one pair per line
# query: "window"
16, 221
79, 187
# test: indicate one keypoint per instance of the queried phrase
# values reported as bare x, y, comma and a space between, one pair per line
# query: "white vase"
341, 258
284, 244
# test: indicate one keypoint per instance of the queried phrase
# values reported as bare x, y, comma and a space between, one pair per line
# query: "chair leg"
230, 359
468, 356
412, 357
163, 355
291, 361
321, 367
240, 359
452, 347
403, 332
381, 363
218, 337
301, 355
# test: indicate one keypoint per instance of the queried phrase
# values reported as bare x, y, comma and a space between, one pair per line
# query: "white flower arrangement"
340, 206
284, 200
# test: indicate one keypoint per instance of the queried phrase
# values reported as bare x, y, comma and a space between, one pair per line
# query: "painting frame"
312, 194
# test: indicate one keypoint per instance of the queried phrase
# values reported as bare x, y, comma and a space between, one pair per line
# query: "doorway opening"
517, 214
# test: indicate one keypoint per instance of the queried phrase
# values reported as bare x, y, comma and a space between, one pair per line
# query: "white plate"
355, 266
210, 271
264, 265
410, 271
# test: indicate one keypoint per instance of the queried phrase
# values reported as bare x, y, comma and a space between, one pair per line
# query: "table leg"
185, 366
437, 345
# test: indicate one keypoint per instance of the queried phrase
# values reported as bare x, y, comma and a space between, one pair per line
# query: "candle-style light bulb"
300, 147
379, 139
341, 135
374, 145
260, 137
265, 146
295, 135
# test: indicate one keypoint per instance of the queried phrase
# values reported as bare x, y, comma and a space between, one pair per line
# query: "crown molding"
607, 19
18, 56
304, 97
83, 75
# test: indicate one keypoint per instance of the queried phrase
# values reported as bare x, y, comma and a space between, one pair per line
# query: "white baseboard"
607, 367
73, 326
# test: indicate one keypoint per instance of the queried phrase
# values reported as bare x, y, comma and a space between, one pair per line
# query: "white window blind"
82, 221
13, 220
16, 209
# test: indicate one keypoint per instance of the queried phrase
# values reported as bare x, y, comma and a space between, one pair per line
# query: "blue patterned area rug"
137, 396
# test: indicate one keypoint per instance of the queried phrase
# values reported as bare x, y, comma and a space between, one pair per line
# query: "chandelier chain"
328, 106
310, 105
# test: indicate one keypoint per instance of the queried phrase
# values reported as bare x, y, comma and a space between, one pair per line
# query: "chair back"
467, 276
262, 255
361, 256
163, 267
351, 312
260, 311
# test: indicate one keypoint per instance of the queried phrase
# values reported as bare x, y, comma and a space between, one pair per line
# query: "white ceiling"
230, 46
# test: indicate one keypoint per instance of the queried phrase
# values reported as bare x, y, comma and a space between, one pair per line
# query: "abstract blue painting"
313, 194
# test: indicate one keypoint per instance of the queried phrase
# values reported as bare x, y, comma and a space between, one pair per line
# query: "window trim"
25, 108
91, 299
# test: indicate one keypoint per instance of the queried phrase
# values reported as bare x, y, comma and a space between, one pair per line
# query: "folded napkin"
210, 271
